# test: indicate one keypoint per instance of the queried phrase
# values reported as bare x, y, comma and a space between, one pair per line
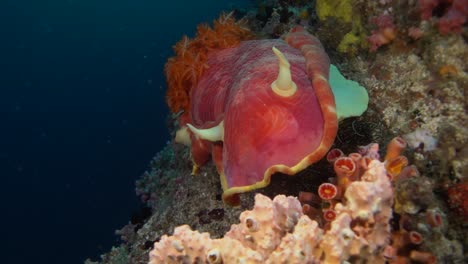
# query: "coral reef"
417, 85
355, 224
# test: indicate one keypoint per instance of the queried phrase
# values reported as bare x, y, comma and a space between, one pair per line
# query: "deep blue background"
82, 112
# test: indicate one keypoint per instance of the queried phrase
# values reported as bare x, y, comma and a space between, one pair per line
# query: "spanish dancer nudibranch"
258, 107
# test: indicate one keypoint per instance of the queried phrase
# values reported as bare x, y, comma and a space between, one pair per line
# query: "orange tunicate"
434, 218
415, 237
395, 147
448, 71
329, 215
395, 165
344, 167
334, 154
327, 191
422, 257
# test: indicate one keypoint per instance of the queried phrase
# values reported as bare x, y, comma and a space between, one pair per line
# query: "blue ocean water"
82, 112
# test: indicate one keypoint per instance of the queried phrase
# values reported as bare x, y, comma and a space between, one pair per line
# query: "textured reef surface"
411, 57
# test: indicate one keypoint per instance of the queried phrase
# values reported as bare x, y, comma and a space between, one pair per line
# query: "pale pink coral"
385, 33
272, 231
277, 231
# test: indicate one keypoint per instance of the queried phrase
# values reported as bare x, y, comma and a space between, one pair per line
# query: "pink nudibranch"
262, 107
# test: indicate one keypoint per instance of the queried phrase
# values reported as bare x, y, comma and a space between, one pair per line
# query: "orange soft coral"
185, 68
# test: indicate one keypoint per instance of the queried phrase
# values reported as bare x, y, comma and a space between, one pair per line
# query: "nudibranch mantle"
262, 107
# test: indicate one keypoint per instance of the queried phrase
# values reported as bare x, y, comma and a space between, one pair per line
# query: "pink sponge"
453, 20
454, 13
